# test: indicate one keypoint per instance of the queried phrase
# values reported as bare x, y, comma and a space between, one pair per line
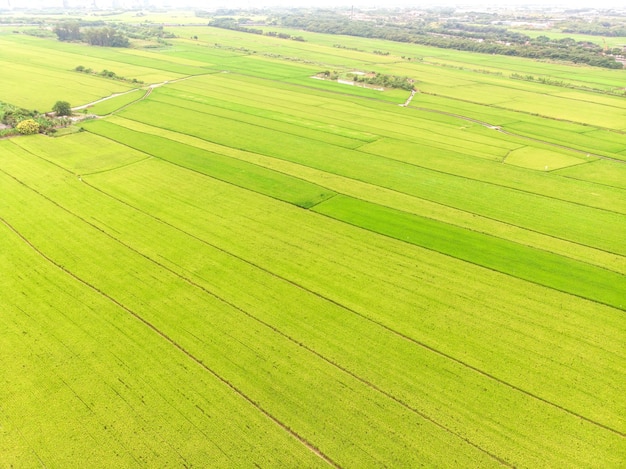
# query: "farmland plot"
516, 207
132, 232
243, 269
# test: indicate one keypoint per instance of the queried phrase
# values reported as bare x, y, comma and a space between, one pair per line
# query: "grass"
116, 103
240, 173
516, 260
542, 159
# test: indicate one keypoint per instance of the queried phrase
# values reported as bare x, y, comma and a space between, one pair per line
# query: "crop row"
423, 149
187, 247
540, 213
375, 194
277, 376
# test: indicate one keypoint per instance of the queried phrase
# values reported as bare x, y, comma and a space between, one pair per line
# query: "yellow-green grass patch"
606, 172
80, 153
543, 159
116, 103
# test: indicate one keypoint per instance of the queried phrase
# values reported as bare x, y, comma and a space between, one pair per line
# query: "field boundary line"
273, 119
261, 126
175, 344
593, 126
132, 163
495, 184
276, 329
150, 156
377, 322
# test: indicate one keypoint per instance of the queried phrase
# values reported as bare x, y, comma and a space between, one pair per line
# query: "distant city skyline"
570, 4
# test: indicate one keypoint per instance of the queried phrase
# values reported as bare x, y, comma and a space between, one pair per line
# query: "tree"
28, 127
68, 31
105, 37
62, 108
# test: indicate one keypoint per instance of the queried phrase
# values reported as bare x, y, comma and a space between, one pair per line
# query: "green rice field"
233, 264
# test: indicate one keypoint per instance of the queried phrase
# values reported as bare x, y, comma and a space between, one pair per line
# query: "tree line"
105, 36
455, 35
241, 25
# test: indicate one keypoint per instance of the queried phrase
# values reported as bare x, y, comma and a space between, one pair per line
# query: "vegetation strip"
521, 261
240, 173
377, 322
251, 316
285, 427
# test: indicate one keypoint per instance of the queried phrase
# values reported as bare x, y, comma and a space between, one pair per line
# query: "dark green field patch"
493, 253
237, 172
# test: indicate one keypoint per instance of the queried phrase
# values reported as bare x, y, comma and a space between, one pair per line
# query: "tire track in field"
378, 323
23, 438
242, 311
287, 336
170, 340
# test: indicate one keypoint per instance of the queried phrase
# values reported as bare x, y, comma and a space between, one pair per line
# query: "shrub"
28, 127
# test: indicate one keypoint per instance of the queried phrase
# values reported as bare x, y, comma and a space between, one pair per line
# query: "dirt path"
148, 89
409, 99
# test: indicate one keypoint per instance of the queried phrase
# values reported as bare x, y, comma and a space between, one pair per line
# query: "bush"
28, 127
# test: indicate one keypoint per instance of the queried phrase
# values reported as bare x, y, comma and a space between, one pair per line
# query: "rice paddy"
245, 266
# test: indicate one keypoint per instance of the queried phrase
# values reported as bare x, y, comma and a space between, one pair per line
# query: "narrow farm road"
148, 89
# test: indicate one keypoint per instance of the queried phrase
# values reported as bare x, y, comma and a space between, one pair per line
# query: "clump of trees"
11, 115
599, 27
243, 25
19, 121
107, 74
373, 78
105, 36
487, 39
